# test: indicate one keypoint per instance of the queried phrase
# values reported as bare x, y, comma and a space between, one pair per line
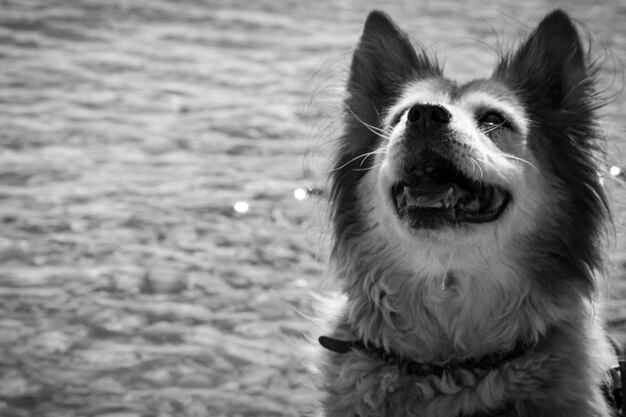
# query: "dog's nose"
427, 118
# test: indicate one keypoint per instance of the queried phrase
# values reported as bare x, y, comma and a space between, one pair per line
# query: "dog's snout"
427, 118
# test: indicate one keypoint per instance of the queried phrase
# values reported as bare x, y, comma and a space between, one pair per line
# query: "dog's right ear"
383, 61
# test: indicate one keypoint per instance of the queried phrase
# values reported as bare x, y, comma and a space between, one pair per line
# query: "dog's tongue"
429, 194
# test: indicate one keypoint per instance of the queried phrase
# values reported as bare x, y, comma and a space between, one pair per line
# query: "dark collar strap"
340, 346
487, 362
614, 391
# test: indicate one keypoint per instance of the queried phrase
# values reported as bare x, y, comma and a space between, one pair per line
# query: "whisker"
494, 169
374, 129
475, 162
367, 169
495, 127
515, 158
363, 155
376, 152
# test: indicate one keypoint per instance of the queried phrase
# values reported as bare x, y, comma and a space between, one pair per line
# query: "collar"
487, 362
614, 388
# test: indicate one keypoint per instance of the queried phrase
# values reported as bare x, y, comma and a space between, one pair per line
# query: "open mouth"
435, 192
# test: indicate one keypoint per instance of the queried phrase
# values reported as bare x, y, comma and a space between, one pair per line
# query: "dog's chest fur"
545, 381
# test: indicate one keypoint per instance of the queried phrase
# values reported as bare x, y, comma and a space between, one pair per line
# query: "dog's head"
492, 177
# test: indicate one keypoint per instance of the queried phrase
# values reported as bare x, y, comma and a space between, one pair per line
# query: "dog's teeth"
454, 197
403, 200
447, 200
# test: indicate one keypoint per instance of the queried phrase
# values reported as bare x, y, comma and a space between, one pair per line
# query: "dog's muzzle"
432, 191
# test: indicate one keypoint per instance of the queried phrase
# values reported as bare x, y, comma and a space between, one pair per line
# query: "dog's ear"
383, 62
550, 67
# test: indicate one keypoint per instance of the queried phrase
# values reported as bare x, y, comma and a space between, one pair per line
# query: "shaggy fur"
453, 290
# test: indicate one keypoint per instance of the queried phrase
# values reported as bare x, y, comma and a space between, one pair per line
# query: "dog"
468, 222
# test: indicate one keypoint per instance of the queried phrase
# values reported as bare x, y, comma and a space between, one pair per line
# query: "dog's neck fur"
418, 319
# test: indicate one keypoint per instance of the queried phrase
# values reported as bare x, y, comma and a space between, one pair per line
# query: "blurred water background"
129, 284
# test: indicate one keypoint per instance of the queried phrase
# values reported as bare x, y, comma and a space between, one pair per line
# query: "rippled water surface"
129, 286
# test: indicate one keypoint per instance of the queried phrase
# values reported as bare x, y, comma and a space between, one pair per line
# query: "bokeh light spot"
300, 194
241, 207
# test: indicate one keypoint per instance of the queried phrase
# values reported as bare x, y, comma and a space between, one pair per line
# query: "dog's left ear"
551, 66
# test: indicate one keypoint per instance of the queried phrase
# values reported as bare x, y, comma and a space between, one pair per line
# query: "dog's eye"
492, 120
